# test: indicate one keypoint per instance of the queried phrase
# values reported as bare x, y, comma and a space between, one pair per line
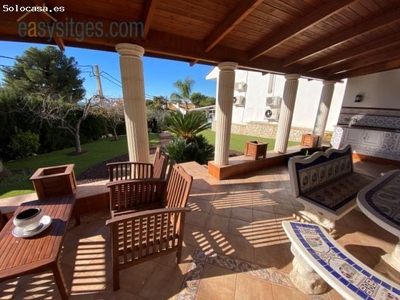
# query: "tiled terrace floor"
234, 247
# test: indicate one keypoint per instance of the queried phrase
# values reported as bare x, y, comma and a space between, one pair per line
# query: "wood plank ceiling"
325, 39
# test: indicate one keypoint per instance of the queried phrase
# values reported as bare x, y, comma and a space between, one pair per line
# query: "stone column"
286, 114
323, 109
134, 101
224, 112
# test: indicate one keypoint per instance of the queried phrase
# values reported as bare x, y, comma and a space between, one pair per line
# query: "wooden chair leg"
115, 277
179, 255
77, 220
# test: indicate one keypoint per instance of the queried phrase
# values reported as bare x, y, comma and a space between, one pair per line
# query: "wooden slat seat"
141, 236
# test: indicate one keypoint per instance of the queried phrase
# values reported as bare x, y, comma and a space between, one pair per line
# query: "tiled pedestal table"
380, 201
319, 260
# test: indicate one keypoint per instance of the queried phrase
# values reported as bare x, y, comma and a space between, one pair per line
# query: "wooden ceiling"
325, 39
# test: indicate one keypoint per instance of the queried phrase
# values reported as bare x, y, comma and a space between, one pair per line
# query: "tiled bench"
326, 185
319, 260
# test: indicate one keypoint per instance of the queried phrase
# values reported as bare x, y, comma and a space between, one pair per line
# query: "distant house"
180, 107
258, 98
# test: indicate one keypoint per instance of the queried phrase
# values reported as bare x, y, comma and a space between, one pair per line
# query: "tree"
157, 102
46, 72
189, 144
201, 100
185, 90
63, 115
45, 86
187, 125
113, 113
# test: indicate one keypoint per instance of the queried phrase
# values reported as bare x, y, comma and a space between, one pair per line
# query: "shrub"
24, 143
177, 149
196, 149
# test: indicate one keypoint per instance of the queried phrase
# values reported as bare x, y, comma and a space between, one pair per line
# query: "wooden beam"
234, 18
44, 15
373, 59
148, 15
305, 23
386, 66
193, 62
343, 36
354, 52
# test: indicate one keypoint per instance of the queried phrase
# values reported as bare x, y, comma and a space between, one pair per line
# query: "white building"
258, 97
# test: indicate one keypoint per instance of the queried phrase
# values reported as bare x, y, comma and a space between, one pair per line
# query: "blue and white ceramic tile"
343, 268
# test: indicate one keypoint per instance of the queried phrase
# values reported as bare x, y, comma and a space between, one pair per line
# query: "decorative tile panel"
370, 117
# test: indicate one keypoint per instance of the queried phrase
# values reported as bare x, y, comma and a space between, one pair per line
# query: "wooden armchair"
127, 196
141, 236
134, 170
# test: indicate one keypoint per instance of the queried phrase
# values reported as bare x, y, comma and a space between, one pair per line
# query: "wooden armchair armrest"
145, 213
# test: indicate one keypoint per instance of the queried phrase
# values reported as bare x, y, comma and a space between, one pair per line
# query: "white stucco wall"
307, 101
380, 90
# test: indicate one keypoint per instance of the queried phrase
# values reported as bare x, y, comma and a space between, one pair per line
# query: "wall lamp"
359, 98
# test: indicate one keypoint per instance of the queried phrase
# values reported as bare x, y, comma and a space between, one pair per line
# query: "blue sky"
160, 74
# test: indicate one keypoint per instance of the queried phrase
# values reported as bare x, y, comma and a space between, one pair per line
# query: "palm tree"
185, 90
186, 126
189, 145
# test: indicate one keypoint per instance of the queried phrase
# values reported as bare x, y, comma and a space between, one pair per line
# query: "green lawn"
238, 141
97, 152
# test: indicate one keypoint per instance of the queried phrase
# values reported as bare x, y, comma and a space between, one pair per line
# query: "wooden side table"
256, 149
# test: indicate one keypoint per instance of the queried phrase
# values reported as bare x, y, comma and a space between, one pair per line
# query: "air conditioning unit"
273, 101
239, 100
271, 114
240, 86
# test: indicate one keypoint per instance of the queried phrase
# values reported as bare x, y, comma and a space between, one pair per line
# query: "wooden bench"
319, 260
326, 184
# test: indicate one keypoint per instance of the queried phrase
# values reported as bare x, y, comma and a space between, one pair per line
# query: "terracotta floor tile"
240, 213
199, 205
274, 256
163, 283
285, 293
134, 279
197, 218
248, 287
216, 222
221, 209
239, 247
240, 228
217, 283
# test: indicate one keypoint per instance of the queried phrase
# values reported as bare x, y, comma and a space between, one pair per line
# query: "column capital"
292, 76
328, 82
129, 49
227, 65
